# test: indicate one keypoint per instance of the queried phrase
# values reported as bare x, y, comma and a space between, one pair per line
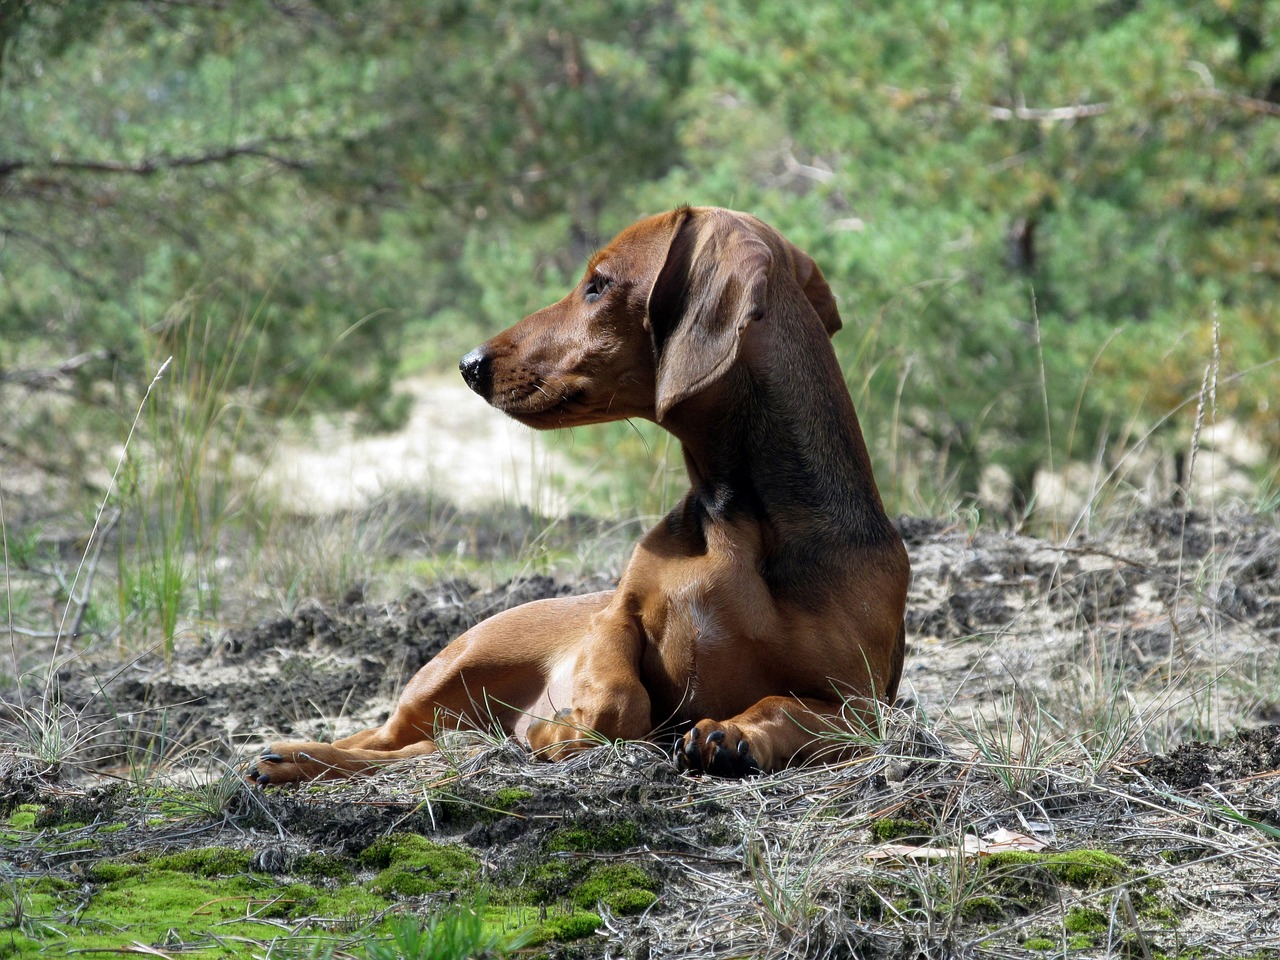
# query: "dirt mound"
1249, 754
1045, 689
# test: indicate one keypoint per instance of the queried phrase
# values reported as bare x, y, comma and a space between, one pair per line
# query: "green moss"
1183, 855
544, 883
862, 902
1151, 910
1084, 920
585, 839
470, 808
1081, 869
67, 815
349, 901
412, 866
171, 901
163, 907
1040, 943
509, 798
623, 888
1134, 946
52, 886
289, 901
14, 944
110, 871
173, 802
398, 848
982, 909
38, 898
575, 926
206, 861
322, 866
891, 829
1086, 869
24, 816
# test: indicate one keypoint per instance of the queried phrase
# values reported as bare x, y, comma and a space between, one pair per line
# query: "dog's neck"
790, 450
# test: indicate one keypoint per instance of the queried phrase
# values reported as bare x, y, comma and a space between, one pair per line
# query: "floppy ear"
710, 287
814, 286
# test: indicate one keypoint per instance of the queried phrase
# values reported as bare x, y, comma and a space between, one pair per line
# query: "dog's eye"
596, 287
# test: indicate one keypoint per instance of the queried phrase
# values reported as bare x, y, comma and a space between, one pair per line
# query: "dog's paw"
284, 763
718, 749
560, 737
271, 769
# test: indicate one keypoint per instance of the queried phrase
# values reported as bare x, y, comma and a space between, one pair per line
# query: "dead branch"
158, 164
35, 379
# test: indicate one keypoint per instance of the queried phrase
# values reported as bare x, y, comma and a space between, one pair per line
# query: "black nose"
477, 371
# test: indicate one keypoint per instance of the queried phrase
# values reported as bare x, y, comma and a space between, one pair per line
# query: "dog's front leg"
607, 700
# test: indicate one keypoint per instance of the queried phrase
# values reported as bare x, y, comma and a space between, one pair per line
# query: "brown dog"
762, 616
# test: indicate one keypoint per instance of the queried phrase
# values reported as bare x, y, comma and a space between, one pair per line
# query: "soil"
1117, 694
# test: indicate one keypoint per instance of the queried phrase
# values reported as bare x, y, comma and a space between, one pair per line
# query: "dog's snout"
477, 371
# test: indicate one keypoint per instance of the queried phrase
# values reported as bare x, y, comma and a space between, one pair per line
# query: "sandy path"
452, 443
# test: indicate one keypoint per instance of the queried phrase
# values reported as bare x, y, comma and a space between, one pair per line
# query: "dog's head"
658, 317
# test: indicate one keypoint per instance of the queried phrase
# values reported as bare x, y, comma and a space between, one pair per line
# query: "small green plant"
460, 933
46, 732
178, 492
1017, 746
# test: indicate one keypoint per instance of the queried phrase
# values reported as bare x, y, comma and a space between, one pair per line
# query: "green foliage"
1077, 188
508, 798
345, 173
890, 828
1085, 920
322, 866
1032, 217
573, 926
460, 933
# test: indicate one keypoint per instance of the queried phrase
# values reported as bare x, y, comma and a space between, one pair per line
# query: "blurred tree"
1035, 209
1032, 213
332, 170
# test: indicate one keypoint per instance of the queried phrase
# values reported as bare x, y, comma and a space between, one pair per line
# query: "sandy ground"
452, 444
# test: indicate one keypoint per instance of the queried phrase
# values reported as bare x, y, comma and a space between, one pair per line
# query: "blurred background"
1052, 228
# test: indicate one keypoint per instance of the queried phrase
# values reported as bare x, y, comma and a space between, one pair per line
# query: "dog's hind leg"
492, 677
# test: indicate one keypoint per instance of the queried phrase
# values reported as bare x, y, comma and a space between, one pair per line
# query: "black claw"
271, 757
687, 754
716, 736
743, 749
